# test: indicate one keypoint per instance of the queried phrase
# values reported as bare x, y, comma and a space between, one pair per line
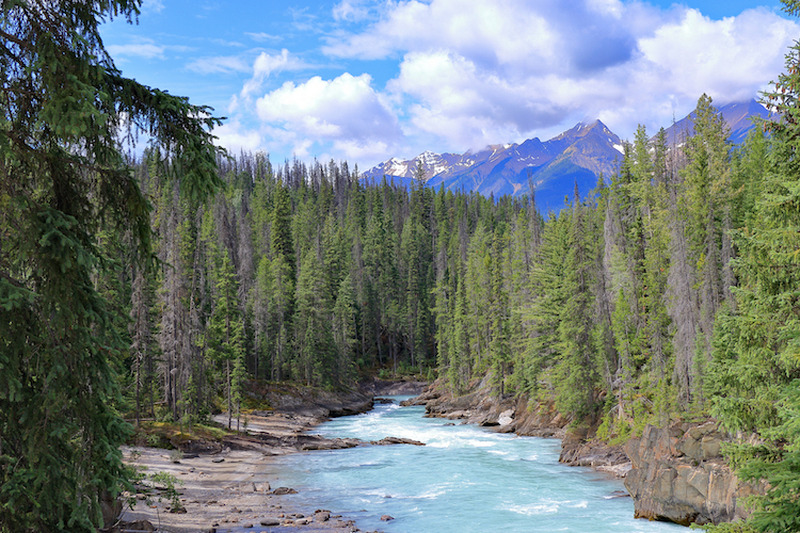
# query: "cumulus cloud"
509, 69
234, 137
345, 108
730, 58
501, 71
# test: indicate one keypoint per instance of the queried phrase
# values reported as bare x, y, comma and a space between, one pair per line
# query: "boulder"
397, 440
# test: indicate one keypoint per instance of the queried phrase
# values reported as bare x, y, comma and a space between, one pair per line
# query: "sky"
366, 80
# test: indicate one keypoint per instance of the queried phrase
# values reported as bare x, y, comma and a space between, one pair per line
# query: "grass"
173, 435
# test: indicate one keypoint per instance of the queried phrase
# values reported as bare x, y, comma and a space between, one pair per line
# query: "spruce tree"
62, 181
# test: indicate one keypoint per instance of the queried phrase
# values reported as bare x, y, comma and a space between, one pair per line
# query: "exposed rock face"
315, 403
679, 475
482, 406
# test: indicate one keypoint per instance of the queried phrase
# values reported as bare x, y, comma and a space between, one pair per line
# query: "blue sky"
366, 80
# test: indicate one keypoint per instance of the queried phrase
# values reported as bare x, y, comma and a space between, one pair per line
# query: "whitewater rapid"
465, 479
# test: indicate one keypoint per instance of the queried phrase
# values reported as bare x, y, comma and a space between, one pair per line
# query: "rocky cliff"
678, 474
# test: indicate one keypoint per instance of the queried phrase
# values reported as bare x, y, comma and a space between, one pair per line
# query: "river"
466, 479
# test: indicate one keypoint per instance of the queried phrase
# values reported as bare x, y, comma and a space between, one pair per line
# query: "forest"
647, 302
164, 285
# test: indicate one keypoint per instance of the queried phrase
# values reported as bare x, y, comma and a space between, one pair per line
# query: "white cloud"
152, 6
510, 69
219, 65
501, 30
350, 10
362, 150
501, 71
140, 50
267, 64
234, 137
729, 58
262, 37
345, 108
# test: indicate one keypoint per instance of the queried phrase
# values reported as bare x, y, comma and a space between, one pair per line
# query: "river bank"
225, 485
675, 473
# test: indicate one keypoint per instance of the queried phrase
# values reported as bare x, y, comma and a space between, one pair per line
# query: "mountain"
579, 155
738, 116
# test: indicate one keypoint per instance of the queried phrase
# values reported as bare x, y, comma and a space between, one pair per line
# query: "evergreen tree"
62, 180
755, 375
225, 332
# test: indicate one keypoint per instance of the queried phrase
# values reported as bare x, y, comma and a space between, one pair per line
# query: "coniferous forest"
160, 285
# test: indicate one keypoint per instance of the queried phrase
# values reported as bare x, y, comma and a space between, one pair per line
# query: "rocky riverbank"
225, 485
675, 474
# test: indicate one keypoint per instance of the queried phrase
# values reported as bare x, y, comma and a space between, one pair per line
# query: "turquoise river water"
466, 479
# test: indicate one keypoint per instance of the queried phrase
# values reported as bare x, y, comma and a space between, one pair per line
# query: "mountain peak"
582, 129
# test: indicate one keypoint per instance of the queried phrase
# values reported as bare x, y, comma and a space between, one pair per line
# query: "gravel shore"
229, 489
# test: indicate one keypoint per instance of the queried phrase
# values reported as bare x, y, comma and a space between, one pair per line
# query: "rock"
270, 522
218, 460
247, 526
506, 417
397, 440
383, 401
322, 515
678, 475
282, 491
302, 521
317, 442
137, 525
386, 518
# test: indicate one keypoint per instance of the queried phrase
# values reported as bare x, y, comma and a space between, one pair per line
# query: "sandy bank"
230, 495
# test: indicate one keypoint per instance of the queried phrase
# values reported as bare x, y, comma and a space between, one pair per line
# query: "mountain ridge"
577, 156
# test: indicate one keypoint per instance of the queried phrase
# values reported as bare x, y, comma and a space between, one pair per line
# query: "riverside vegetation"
160, 287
